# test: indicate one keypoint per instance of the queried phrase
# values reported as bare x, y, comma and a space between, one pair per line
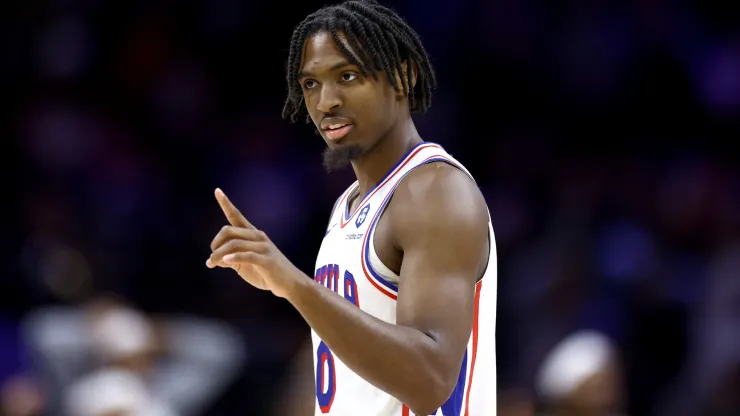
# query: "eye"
348, 76
309, 84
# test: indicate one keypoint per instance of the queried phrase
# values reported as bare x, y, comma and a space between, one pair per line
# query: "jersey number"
326, 378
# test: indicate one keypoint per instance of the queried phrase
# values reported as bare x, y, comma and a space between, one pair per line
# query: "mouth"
337, 131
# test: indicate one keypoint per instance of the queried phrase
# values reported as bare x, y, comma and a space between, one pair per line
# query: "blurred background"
602, 133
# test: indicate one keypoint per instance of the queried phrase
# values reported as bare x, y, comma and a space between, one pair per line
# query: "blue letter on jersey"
350, 289
328, 276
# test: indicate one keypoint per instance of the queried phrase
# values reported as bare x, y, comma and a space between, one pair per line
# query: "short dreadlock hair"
381, 41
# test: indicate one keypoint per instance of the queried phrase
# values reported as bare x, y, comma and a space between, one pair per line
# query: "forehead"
320, 52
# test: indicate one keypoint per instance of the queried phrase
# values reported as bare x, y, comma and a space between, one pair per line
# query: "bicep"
434, 297
442, 228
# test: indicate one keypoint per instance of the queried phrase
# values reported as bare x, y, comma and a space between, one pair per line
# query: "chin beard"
341, 157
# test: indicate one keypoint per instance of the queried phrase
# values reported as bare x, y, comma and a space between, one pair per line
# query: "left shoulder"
439, 196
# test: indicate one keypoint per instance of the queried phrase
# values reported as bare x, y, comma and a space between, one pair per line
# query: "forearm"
401, 361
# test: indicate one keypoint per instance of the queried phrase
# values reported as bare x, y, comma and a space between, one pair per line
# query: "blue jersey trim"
346, 207
371, 229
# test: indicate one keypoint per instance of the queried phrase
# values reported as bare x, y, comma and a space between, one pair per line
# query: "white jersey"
348, 264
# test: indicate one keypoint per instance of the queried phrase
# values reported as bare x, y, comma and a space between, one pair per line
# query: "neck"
374, 165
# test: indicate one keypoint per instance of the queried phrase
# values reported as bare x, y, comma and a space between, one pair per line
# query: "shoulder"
439, 198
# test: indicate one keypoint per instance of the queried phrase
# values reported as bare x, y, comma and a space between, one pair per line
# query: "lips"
336, 128
338, 133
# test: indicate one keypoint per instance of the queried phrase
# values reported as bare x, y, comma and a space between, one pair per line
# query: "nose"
329, 99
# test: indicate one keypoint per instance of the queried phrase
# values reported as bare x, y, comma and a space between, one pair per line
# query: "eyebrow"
334, 67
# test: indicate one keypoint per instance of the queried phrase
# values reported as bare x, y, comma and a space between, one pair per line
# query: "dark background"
602, 134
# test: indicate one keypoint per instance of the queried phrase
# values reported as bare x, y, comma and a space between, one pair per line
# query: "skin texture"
434, 234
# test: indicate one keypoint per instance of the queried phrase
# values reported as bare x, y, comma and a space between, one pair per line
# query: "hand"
250, 253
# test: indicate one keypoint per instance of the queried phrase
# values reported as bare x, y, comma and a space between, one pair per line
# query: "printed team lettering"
328, 276
326, 377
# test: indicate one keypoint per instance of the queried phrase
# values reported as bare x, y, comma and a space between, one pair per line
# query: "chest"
381, 231
342, 263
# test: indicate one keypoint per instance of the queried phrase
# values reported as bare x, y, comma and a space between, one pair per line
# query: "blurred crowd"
600, 132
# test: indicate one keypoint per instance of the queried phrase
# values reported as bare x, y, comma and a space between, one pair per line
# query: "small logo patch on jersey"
362, 215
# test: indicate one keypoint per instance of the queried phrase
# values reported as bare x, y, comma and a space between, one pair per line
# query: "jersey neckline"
345, 217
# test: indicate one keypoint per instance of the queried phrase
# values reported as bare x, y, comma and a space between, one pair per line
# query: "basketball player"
402, 305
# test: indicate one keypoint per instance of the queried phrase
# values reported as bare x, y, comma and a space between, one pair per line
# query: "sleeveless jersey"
347, 264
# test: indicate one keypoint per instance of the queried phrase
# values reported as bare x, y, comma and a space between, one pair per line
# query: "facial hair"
340, 157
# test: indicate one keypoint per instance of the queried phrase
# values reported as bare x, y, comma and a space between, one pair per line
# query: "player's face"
351, 112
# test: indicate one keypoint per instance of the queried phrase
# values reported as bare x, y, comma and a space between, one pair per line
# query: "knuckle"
222, 250
234, 244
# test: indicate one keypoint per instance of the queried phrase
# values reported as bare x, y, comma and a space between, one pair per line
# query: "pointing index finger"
232, 213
